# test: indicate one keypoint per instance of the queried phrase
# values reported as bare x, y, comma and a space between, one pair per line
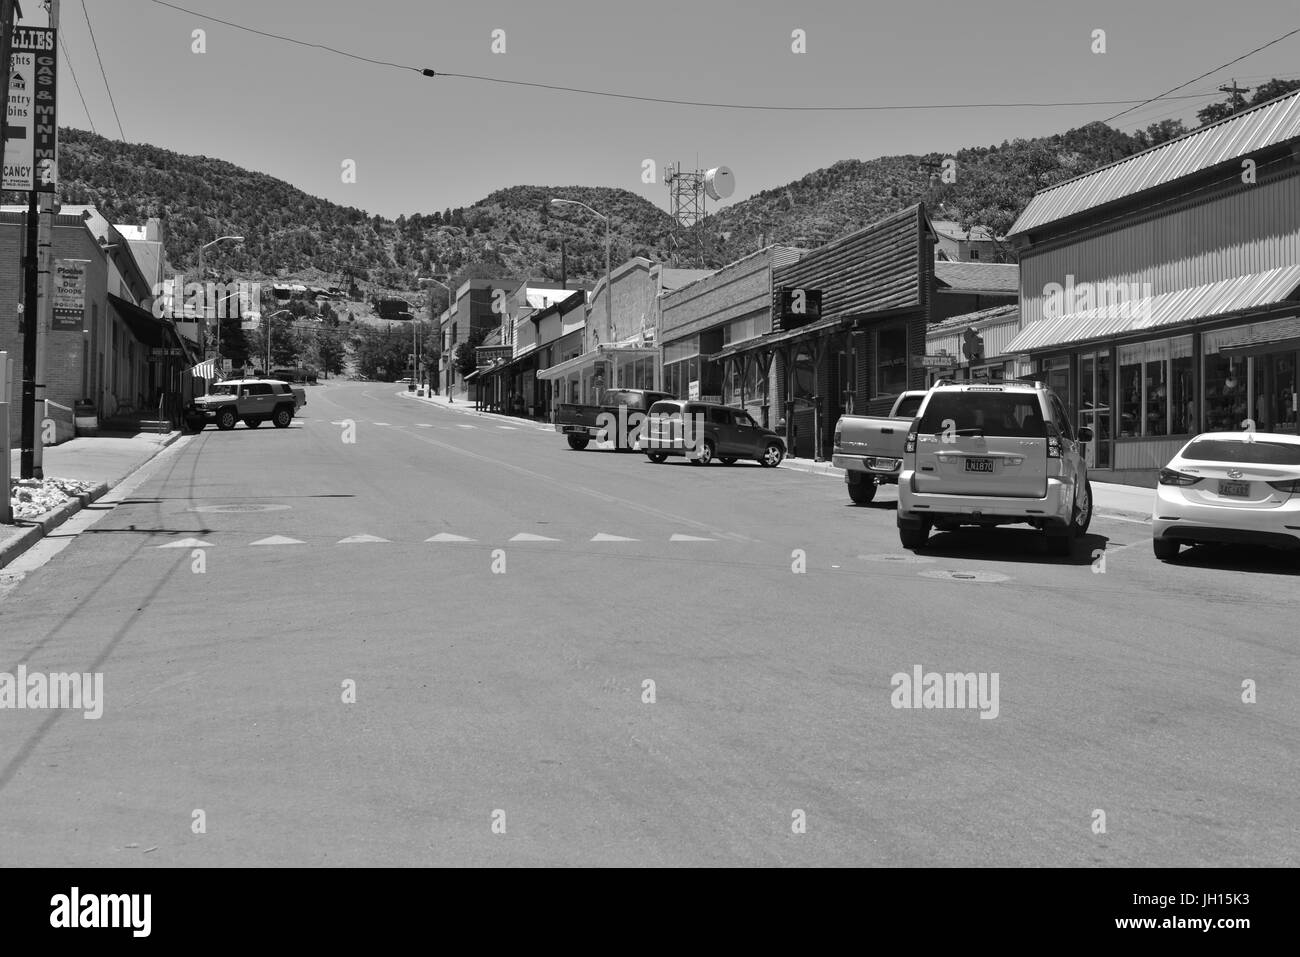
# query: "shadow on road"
1011, 545
1240, 558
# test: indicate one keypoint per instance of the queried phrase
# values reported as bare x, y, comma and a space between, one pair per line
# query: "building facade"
1160, 294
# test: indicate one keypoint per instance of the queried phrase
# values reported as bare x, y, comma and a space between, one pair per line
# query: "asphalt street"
236, 589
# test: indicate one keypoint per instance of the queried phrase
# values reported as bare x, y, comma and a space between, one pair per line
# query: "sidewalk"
1121, 501
467, 408
100, 461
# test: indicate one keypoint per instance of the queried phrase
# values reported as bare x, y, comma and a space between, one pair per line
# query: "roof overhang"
1212, 300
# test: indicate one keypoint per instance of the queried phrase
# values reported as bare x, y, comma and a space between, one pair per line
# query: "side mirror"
1085, 434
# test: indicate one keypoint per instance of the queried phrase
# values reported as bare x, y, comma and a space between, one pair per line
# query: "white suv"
994, 455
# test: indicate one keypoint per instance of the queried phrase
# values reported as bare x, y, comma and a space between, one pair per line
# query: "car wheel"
705, 454
914, 536
772, 455
728, 460
252, 423
1166, 549
226, 420
658, 458
578, 442
1082, 511
282, 418
862, 493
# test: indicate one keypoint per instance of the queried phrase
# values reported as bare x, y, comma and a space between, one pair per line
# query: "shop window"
1157, 392
1182, 388
1225, 393
1130, 391
891, 360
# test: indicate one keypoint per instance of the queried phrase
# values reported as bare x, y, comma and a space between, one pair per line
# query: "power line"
1165, 95
68, 60
646, 99
95, 43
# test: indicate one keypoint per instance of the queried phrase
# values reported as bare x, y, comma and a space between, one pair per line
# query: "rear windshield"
666, 408
1244, 453
907, 408
633, 400
996, 413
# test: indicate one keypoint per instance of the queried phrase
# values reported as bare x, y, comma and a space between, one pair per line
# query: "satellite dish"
719, 182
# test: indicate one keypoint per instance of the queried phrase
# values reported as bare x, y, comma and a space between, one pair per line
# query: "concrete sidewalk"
467, 408
1121, 501
102, 461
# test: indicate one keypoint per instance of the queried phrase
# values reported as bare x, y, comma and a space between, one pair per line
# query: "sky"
422, 144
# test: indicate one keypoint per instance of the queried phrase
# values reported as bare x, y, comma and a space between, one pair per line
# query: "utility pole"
1238, 101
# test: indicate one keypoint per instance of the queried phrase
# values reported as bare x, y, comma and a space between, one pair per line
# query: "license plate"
1238, 489
979, 465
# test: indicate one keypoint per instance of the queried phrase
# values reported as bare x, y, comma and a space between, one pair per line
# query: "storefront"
1160, 294
996, 327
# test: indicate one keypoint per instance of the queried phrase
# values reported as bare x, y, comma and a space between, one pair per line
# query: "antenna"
687, 190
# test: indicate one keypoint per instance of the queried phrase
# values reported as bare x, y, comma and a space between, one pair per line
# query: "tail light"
837, 440
1171, 477
1292, 486
1053, 442
910, 444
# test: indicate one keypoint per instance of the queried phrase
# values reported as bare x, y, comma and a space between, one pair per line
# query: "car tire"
773, 454
705, 454
728, 460
578, 442
226, 419
862, 492
1166, 549
914, 536
1081, 518
658, 458
252, 422
282, 418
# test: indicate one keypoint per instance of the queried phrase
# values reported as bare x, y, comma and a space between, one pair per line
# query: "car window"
907, 408
259, 388
1243, 452
223, 390
1062, 418
996, 413
665, 408
720, 416
744, 418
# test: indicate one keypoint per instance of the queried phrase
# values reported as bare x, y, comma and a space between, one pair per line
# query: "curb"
496, 416
34, 529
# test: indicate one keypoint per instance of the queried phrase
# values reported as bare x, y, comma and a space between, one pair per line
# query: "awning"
147, 329
773, 339
1222, 298
1281, 336
578, 363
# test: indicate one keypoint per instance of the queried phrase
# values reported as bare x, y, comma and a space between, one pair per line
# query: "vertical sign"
31, 134
69, 295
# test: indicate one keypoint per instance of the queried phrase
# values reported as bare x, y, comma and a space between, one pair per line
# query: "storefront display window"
891, 361
1225, 393
1130, 391
1182, 388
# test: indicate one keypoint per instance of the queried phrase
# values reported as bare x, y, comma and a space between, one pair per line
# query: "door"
722, 430
748, 437
1094, 406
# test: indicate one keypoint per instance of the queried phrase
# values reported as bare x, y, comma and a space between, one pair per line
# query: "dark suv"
704, 431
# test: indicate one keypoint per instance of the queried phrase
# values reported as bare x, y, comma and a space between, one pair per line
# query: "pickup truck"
620, 416
870, 448
250, 400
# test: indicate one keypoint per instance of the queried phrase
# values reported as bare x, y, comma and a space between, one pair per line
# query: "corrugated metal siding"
1170, 308
1250, 230
872, 270
1254, 129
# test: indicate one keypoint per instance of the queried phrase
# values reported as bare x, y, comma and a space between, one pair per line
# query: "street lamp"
203, 280
449, 298
609, 292
266, 330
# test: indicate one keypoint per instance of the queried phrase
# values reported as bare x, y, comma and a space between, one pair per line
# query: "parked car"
704, 431
1229, 488
991, 455
251, 400
870, 448
624, 409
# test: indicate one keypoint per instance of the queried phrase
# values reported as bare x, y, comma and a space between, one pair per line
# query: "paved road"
519, 689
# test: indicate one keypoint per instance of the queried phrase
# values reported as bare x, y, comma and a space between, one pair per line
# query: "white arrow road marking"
378, 423
463, 426
277, 540
529, 537
508, 428
187, 543
448, 537
602, 537
360, 539
690, 538
423, 425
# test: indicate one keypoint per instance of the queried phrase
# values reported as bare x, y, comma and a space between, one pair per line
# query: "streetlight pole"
266, 328
609, 291
203, 280
449, 297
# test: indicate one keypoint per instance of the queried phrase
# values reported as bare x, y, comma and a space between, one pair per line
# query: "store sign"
693, 390
935, 362
31, 133
69, 295
799, 307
